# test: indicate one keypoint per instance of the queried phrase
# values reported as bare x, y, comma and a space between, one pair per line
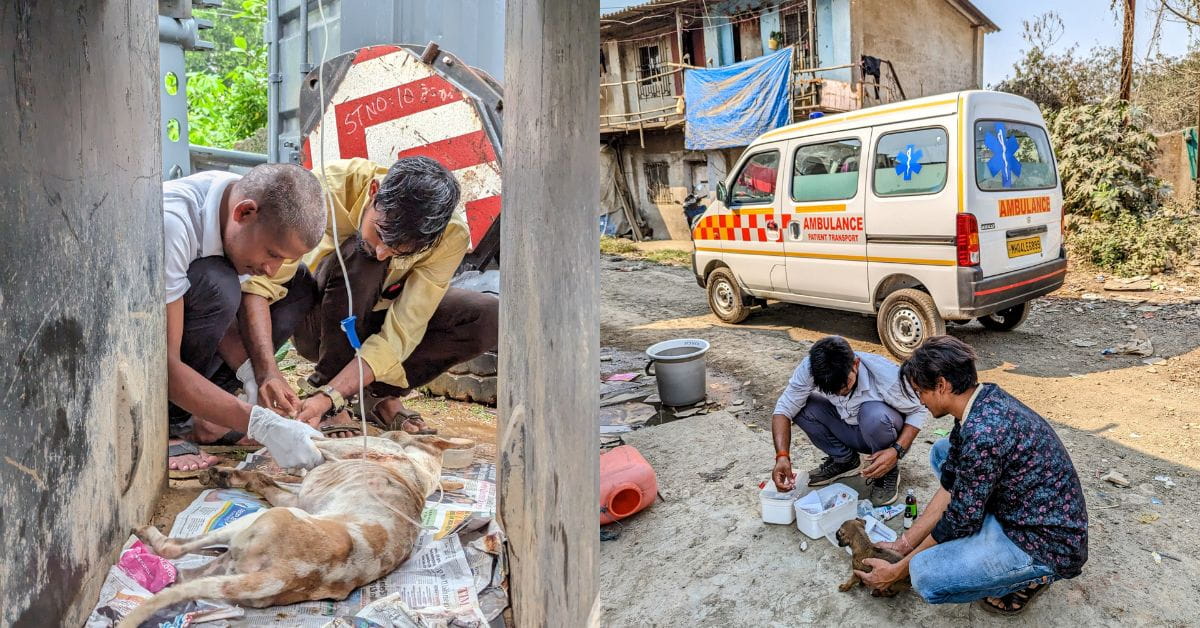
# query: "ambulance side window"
826, 171
911, 162
755, 184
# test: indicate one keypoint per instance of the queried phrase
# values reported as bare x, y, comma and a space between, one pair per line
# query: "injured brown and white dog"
853, 533
352, 522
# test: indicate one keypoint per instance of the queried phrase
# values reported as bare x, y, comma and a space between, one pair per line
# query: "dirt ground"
704, 557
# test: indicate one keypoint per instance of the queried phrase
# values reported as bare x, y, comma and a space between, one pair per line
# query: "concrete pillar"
83, 391
549, 336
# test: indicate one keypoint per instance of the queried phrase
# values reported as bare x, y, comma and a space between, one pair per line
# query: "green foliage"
227, 88
1104, 157
1135, 245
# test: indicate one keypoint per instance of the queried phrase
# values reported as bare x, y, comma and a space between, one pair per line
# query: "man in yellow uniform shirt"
402, 239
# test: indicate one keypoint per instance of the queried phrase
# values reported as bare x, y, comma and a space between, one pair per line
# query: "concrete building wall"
751, 39
933, 46
612, 99
666, 218
83, 395
1173, 167
834, 20
630, 59
686, 170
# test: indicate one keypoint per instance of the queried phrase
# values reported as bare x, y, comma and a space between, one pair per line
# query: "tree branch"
1187, 18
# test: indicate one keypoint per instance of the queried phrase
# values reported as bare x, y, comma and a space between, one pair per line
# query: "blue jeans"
878, 427
985, 564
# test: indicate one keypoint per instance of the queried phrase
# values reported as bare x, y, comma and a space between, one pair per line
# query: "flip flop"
409, 417
184, 448
1024, 597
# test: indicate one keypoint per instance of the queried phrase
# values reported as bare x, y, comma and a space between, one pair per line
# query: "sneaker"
831, 470
884, 489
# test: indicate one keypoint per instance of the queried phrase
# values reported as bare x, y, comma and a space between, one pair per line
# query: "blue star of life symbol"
1004, 155
908, 162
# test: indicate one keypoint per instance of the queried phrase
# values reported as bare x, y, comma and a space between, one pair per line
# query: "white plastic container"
877, 531
777, 507
816, 526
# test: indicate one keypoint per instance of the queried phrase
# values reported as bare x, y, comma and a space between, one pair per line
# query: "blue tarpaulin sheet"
730, 106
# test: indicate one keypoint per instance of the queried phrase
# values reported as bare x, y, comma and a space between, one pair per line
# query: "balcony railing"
652, 114
810, 91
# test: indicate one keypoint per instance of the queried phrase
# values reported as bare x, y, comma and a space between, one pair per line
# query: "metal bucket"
679, 367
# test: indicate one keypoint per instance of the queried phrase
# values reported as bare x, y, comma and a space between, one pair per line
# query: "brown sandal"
1014, 603
398, 425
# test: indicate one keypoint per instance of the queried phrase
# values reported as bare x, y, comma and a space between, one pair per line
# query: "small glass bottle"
910, 509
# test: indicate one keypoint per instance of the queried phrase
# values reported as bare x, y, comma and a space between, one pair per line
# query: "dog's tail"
243, 587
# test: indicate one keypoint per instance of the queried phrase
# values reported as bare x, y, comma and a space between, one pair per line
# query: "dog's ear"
861, 520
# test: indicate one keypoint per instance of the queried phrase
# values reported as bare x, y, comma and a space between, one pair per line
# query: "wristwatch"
900, 451
339, 402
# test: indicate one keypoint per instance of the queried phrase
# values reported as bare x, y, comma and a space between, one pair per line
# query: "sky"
1086, 23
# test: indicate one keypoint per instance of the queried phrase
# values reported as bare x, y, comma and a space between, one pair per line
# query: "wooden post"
679, 35
549, 341
1127, 52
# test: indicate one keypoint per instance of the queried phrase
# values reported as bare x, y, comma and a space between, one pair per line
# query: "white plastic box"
828, 521
777, 507
877, 531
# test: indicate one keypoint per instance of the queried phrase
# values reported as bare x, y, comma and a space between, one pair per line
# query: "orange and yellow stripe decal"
834, 256
751, 211
747, 225
813, 209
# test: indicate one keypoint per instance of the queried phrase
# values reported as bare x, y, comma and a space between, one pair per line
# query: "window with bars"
652, 83
795, 33
791, 28
658, 186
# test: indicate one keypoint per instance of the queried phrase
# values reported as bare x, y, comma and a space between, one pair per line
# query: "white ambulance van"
947, 208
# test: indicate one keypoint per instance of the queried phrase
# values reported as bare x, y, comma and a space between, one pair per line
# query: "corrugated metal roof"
635, 10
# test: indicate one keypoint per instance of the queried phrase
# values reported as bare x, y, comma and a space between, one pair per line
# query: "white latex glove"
245, 374
288, 440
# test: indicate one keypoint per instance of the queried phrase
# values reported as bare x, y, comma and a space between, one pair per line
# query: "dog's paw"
214, 477
888, 592
147, 534
845, 586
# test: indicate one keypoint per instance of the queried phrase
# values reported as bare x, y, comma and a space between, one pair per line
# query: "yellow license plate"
1024, 246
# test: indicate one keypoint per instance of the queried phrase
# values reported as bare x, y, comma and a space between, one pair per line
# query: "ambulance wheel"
1006, 320
907, 318
725, 297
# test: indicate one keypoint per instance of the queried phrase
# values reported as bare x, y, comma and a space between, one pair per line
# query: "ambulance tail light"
966, 239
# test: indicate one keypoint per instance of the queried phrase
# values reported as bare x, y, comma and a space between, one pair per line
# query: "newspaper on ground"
121, 593
456, 575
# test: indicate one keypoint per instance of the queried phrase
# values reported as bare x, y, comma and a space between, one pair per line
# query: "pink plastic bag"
149, 570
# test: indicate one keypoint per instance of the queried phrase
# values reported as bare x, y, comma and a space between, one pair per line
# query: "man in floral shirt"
1009, 518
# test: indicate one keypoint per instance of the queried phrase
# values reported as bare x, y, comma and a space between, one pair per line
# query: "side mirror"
723, 193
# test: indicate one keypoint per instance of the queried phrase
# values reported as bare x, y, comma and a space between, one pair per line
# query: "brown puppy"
854, 534
352, 522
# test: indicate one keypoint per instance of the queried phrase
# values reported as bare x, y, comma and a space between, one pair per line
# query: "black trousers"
464, 325
211, 305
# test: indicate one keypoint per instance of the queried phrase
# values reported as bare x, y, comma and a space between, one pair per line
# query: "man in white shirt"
848, 403
219, 229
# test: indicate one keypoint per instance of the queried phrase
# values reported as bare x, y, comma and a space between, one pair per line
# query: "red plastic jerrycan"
627, 483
